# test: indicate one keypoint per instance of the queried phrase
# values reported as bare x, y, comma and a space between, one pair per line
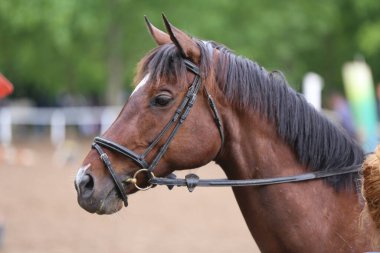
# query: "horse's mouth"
109, 204
112, 203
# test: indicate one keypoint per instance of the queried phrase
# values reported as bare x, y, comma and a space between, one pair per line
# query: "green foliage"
48, 47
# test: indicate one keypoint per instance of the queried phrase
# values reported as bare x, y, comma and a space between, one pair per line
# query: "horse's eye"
162, 100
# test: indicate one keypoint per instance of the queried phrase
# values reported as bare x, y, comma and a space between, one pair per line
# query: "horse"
196, 101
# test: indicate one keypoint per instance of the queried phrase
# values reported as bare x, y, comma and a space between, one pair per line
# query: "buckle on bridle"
133, 180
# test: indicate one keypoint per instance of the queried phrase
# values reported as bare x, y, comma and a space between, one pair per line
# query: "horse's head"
161, 128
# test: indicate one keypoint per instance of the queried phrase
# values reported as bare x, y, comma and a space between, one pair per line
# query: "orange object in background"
6, 87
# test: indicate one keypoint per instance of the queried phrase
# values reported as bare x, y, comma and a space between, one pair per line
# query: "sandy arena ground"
40, 213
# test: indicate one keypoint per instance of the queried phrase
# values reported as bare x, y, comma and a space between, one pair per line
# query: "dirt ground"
40, 214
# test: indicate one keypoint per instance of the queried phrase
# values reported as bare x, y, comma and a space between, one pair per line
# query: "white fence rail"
57, 118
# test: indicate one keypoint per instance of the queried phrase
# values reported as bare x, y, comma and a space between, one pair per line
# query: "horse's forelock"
163, 63
166, 62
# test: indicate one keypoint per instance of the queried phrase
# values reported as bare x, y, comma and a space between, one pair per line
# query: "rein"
191, 180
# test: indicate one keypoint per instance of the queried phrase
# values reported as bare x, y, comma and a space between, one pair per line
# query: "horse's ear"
159, 36
185, 44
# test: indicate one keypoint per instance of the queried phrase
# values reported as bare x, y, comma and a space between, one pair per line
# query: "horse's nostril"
86, 185
90, 183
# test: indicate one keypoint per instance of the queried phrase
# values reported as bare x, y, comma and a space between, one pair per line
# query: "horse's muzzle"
100, 201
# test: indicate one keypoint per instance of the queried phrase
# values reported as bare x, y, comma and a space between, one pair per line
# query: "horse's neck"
299, 217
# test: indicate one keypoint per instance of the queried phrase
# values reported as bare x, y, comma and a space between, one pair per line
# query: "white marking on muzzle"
141, 83
81, 172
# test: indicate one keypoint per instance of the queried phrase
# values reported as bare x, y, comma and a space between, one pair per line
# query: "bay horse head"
170, 122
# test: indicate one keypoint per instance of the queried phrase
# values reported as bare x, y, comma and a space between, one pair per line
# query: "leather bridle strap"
216, 115
107, 163
121, 150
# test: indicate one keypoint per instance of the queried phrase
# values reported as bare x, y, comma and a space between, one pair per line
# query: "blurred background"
72, 64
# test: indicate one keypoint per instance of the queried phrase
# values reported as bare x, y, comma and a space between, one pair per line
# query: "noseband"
178, 118
191, 180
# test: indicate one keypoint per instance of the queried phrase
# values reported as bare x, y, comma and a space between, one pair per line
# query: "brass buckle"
133, 180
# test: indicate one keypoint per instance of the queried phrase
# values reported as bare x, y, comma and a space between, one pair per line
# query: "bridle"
191, 180
177, 120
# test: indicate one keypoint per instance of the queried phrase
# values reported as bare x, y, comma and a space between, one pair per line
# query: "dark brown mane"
317, 143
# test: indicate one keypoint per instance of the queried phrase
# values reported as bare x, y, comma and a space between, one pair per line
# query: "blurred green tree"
52, 47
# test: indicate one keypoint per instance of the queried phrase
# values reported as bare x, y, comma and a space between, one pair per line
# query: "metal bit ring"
133, 180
